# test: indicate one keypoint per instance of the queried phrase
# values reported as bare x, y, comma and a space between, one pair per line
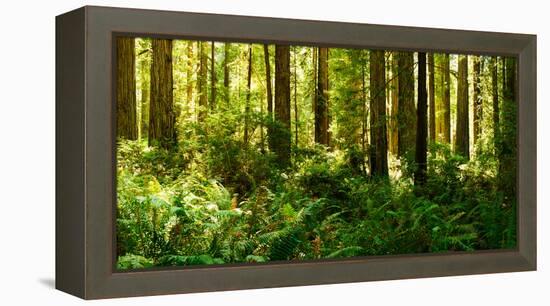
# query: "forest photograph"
231, 152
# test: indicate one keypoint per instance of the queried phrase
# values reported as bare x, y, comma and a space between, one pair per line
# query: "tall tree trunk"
189, 73
363, 107
202, 82
248, 92
145, 66
127, 126
478, 100
443, 99
329, 115
508, 148
446, 105
431, 92
378, 154
422, 123
496, 111
315, 76
162, 117
503, 73
439, 96
388, 99
462, 141
226, 80
394, 109
269, 96
295, 64
321, 101
268, 80
213, 78
281, 132
406, 117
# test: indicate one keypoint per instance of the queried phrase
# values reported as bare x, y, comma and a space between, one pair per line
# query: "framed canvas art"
201, 152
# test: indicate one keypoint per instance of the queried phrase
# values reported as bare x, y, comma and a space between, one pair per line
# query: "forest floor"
177, 208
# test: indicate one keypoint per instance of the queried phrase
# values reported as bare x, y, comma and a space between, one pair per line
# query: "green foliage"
177, 260
220, 198
133, 262
320, 210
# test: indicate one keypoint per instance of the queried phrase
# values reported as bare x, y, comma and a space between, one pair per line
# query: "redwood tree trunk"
202, 82
145, 64
462, 141
431, 92
127, 125
406, 117
162, 118
314, 65
189, 73
269, 96
268, 80
281, 132
248, 92
321, 101
363, 107
496, 110
443, 99
394, 109
444, 114
378, 154
295, 64
478, 101
508, 148
226, 80
213, 77
422, 123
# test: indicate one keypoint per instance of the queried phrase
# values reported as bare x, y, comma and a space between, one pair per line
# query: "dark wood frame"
85, 194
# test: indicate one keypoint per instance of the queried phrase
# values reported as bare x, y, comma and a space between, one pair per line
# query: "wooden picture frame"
85, 194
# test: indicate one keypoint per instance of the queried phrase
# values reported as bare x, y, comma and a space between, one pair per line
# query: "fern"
177, 260
131, 261
255, 258
347, 252
281, 244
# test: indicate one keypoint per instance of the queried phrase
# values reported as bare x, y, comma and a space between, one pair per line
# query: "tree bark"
314, 65
363, 106
281, 131
248, 92
443, 113
189, 73
145, 66
431, 97
202, 82
462, 141
508, 148
269, 97
388, 100
394, 109
295, 64
439, 94
268, 81
226, 80
162, 117
127, 125
378, 154
496, 111
321, 101
478, 99
406, 110
213, 78
422, 123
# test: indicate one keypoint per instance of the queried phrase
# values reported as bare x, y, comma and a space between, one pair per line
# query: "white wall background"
27, 166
